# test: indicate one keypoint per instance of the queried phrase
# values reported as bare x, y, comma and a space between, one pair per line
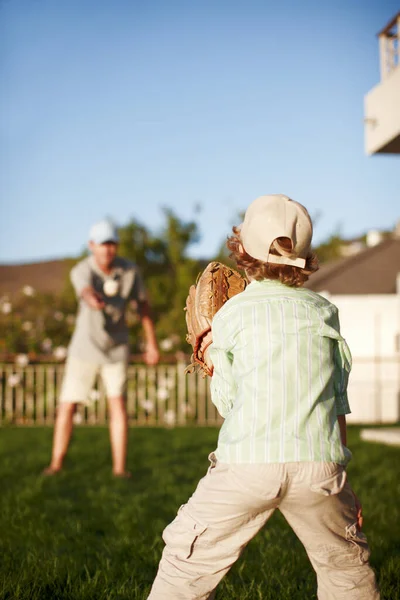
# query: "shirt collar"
268, 283
95, 267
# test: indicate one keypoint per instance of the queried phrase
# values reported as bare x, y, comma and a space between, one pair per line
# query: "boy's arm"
343, 429
343, 437
223, 386
342, 360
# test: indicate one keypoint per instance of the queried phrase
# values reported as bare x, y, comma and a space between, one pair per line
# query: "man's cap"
103, 231
273, 216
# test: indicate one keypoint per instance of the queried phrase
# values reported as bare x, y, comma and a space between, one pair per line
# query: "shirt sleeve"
138, 291
80, 277
223, 386
343, 361
341, 358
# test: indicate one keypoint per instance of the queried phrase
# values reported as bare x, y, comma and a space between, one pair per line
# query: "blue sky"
121, 107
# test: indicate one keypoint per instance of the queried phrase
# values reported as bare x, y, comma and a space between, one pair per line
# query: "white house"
382, 103
366, 289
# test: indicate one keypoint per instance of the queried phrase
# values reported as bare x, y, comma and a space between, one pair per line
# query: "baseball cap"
273, 216
103, 231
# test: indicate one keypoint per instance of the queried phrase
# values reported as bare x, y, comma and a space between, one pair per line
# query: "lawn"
83, 535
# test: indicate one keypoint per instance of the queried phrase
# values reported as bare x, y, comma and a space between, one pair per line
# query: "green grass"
83, 535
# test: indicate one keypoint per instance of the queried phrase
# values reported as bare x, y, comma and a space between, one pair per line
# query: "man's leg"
118, 434
230, 505
320, 507
114, 377
61, 437
77, 382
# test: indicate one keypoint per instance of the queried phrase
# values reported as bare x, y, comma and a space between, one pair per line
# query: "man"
105, 284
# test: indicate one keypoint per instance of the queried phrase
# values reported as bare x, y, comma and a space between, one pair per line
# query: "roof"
390, 25
45, 277
371, 271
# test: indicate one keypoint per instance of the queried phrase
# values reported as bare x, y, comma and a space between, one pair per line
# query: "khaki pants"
233, 502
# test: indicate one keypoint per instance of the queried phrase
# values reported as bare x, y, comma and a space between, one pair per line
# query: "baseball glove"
214, 286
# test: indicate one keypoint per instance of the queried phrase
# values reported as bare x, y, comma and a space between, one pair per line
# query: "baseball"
110, 287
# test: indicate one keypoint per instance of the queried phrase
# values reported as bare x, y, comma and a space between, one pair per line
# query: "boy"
280, 378
104, 284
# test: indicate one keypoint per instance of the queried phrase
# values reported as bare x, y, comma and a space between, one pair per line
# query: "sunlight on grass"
83, 535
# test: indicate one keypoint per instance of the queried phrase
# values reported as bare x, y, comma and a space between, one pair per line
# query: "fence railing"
389, 46
166, 396
156, 396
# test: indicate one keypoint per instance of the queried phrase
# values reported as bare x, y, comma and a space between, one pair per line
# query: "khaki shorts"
80, 377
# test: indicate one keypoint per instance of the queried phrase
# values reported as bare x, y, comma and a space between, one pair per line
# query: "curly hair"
258, 269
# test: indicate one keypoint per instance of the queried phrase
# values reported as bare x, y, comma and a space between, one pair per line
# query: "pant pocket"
213, 462
359, 541
331, 484
181, 535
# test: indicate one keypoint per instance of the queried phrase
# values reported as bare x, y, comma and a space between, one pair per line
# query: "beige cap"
273, 216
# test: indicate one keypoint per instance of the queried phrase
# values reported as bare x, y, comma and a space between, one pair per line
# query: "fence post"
40, 393
8, 395
50, 394
141, 395
30, 395
131, 395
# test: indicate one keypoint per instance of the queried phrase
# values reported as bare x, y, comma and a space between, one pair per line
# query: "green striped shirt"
280, 377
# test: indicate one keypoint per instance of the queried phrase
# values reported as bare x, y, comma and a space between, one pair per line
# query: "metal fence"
156, 396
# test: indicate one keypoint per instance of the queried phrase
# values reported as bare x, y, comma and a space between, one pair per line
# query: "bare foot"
49, 471
123, 474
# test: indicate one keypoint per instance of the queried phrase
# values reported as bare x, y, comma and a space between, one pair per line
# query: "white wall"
369, 323
371, 326
382, 113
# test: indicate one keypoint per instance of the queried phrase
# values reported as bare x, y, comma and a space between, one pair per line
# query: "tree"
331, 249
181, 272
167, 271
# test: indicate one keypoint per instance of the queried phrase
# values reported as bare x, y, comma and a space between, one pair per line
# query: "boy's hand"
215, 285
92, 298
